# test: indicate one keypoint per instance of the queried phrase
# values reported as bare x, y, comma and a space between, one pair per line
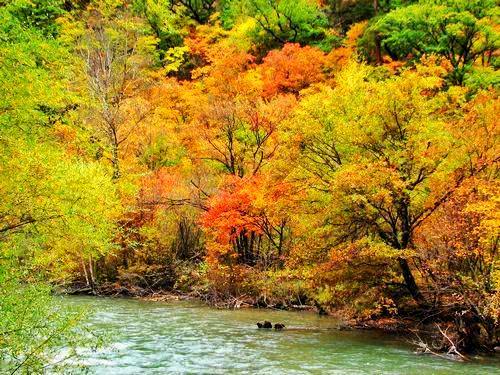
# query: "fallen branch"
453, 348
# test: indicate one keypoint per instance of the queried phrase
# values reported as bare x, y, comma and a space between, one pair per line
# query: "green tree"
198, 10
165, 24
39, 14
52, 211
461, 31
38, 333
282, 21
343, 13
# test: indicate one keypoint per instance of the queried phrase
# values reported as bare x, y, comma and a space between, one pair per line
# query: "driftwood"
447, 351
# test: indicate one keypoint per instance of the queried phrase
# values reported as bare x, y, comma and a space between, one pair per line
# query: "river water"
183, 337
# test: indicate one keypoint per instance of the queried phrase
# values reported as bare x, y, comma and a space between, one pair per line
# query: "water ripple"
189, 338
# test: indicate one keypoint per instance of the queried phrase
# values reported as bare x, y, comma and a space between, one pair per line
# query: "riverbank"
116, 290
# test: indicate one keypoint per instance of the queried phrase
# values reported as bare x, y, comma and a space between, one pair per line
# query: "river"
188, 337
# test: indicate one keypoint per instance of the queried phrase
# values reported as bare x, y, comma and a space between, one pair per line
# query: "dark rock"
266, 324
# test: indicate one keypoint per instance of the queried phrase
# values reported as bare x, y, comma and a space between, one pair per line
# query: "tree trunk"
410, 283
115, 162
91, 272
378, 50
87, 281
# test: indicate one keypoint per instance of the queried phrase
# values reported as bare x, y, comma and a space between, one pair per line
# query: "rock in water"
266, 324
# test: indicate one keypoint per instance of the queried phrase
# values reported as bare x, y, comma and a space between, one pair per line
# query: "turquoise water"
182, 337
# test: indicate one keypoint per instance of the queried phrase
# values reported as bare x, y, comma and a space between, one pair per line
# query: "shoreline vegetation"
339, 154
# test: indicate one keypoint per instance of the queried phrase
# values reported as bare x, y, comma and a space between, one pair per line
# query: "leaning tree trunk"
410, 283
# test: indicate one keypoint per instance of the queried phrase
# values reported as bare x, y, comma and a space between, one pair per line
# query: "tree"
234, 127
460, 261
291, 69
233, 130
386, 161
55, 222
247, 212
163, 21
198, 10
282, 21
115, 53
38, 14
460, 31
52, 212
32, 344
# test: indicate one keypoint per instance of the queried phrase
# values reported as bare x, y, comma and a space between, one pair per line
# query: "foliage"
163, 22
38, 333
460, 31
291, 69
467, 246
282, 21
53, 213
198, 10
38, 14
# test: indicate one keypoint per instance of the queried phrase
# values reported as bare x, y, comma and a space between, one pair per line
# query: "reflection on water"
187, 337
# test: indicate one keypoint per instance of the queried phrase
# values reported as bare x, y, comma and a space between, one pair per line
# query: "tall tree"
388, 161
52, 212
116, 52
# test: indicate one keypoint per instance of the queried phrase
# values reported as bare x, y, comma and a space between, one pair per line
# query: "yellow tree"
386, 153
116, 51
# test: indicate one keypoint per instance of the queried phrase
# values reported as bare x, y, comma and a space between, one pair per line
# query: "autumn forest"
333, 155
